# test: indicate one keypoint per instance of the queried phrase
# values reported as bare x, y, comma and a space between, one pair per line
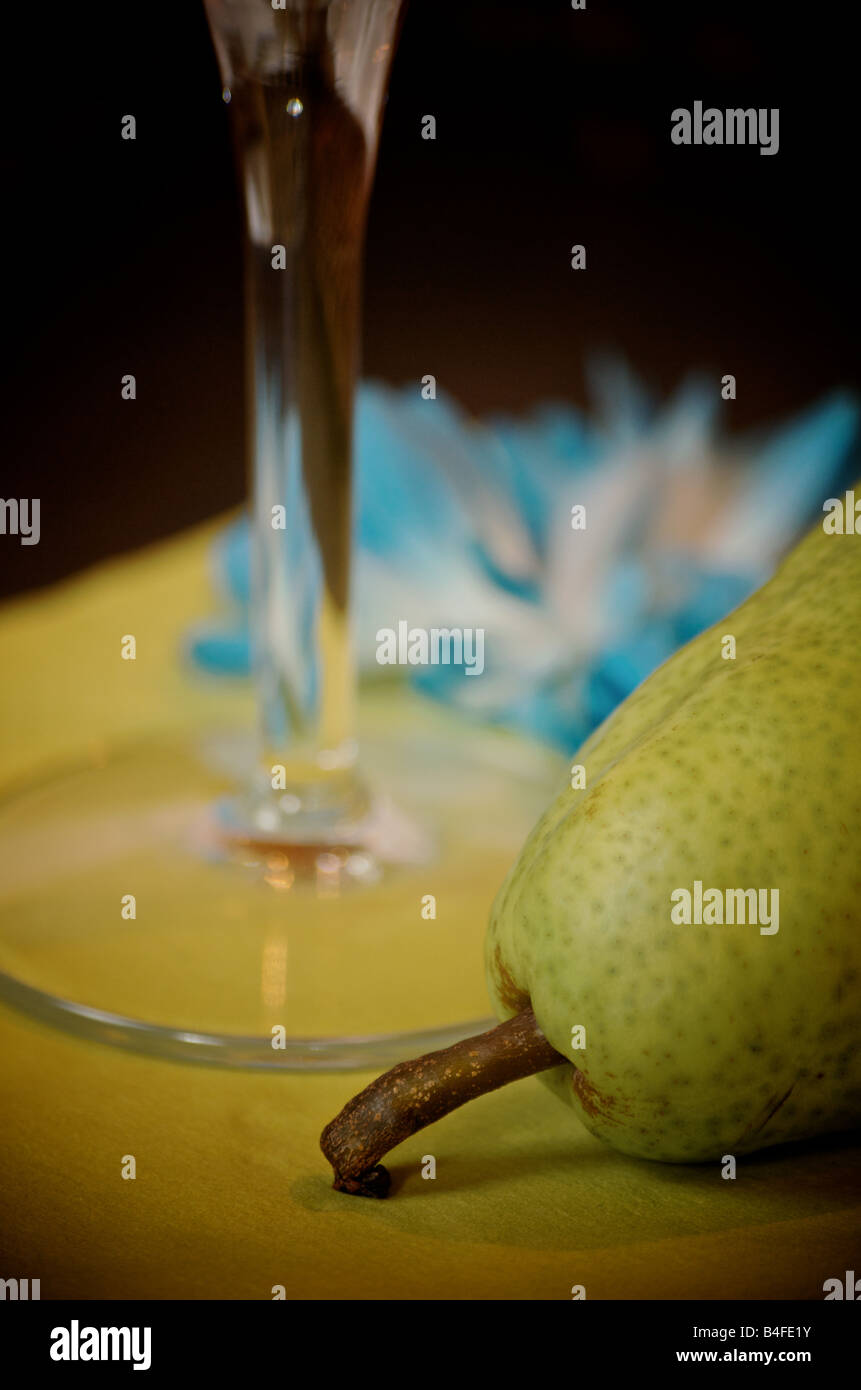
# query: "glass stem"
303, 281
302, 295
305, 84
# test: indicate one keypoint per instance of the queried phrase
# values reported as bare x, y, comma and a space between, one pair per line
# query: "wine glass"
212, 895
305, 83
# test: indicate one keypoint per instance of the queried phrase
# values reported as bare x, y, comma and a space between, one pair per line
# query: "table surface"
232, 1196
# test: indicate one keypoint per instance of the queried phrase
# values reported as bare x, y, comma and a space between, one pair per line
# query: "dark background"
552, 128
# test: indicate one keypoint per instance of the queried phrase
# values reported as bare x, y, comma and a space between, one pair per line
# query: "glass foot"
132, 912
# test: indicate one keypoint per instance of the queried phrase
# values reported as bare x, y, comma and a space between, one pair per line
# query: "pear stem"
415, 1093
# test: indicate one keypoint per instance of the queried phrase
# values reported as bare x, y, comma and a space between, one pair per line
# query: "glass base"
133, 913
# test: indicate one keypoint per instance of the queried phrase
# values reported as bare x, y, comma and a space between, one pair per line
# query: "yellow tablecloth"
232, 1196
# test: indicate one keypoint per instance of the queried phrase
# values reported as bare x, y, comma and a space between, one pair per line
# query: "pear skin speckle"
708, 1039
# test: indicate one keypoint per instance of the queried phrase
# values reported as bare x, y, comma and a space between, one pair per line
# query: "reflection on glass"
305, 85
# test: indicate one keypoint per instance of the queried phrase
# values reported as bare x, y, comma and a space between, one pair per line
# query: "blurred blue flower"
467, 524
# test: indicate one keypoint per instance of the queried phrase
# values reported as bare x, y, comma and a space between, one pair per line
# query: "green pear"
730, 778
738, 773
